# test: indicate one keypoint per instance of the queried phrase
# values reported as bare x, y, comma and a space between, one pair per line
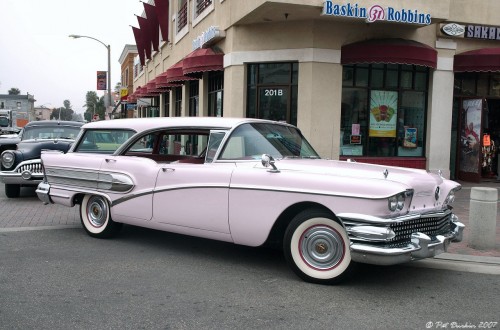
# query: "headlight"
8, 159
397, 202
451, 196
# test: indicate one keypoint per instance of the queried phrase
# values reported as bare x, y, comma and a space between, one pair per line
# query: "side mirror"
268, 160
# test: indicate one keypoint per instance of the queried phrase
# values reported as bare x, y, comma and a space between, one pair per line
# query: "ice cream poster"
383, 113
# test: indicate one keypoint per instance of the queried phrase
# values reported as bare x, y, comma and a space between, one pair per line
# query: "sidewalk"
461, 209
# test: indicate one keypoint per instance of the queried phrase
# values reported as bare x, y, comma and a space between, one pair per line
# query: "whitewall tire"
317, 247
96, 217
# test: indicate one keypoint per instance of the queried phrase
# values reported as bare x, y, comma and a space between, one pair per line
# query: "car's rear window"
102, 141
50, 132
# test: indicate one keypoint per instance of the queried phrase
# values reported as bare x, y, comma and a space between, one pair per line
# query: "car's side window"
144, 145
214, 142
102, 141
171, 146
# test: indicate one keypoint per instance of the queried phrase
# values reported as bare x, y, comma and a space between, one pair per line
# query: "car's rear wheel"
96, 217
12, 190
316, 247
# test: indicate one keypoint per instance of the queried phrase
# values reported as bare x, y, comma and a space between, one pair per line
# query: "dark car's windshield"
50, 132
251, 141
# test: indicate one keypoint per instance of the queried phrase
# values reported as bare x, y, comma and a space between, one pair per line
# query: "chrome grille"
431, 226
34, 168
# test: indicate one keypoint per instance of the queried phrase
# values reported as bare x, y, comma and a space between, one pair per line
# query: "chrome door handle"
165, 169
110, 160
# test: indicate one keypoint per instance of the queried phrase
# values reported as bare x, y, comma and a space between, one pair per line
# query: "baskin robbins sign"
376, 13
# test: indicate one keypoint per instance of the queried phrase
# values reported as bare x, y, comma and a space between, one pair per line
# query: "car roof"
54, 123
142, 124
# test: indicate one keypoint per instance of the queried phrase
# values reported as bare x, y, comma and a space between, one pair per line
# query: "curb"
458, 262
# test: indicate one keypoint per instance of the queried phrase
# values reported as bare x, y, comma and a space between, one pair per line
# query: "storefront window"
272, 91
384, 110
178, 102
215, 93
194, 92
166, 98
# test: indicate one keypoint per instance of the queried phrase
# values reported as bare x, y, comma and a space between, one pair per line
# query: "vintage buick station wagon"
251, 182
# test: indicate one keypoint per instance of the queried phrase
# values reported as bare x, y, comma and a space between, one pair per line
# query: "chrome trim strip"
153, 191
308, 192
112, 181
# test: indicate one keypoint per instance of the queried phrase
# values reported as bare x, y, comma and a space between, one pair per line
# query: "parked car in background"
252, 182
22, 166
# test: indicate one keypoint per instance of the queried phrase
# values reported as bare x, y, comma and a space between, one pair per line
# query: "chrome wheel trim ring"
322, 247
97, 211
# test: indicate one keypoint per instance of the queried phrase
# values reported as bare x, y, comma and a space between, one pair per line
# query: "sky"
38, 57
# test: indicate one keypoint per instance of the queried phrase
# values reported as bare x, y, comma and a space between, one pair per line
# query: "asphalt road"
63, 279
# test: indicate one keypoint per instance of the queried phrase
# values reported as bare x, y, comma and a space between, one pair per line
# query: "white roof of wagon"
142, 124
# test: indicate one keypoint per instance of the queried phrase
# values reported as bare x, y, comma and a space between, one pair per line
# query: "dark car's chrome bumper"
26, 173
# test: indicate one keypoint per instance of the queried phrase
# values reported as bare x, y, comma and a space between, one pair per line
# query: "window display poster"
470, 131
410, 139
383, 113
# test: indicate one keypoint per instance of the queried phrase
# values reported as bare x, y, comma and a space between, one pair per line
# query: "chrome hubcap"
322, 247
97, 211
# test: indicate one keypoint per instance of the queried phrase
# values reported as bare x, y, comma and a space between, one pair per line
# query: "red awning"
175, 74
480, 60
395, 51
202, 60
161, 82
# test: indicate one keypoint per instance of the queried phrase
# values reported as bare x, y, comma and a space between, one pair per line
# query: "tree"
63, 113
14, 91
94, 105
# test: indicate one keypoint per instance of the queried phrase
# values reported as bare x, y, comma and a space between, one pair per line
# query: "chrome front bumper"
26, 173
421, 246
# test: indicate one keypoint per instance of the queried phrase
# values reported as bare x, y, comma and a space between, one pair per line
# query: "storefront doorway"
478, 139
476, 127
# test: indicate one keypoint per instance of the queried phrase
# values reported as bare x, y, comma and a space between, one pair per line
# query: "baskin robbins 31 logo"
376, 13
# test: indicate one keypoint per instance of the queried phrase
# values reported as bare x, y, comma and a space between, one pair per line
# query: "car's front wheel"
12, 190
316, 247
96, 217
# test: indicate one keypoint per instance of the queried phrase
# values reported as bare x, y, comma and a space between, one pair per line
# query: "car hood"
31, 149
369, 178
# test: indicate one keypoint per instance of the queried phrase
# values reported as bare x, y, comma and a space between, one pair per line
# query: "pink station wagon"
253, 182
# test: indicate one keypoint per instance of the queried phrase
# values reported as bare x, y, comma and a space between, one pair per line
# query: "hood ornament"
386, 173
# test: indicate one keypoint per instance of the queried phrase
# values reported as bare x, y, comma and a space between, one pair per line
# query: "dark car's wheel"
12, 190
317, 247
96, 217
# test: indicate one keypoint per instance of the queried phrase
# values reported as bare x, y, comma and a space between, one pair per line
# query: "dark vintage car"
22, 166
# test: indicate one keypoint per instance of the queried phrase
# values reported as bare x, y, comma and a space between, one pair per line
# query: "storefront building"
386, 82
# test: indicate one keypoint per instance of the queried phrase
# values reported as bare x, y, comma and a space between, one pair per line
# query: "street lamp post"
108, 47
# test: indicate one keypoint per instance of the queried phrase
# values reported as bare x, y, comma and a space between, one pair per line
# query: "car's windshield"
51, 132
4, 121
251, 141
102, 141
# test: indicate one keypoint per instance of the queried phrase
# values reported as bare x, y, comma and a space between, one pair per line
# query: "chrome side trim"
117, 182
302, 192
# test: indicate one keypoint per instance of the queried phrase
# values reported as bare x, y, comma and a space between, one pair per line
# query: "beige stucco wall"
258, 31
